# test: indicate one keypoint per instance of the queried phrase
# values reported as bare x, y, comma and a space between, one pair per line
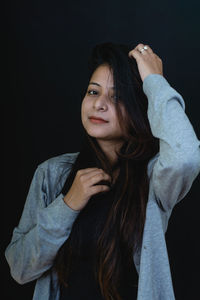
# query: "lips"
97, 119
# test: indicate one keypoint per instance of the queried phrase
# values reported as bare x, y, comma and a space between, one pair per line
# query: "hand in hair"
148, 62
83, 187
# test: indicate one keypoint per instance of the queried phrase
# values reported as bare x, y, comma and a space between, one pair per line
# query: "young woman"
94, 222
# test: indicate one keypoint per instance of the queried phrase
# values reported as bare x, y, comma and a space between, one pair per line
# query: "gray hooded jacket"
46, 220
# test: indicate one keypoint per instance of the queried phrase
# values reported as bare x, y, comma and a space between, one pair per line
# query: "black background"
49, 43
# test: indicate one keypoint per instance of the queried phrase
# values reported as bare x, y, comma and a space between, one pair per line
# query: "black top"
87, 227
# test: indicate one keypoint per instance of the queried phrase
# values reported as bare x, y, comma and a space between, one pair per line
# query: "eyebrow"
95, 83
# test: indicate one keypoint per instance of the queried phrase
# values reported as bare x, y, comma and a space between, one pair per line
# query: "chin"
99, 136
94, 132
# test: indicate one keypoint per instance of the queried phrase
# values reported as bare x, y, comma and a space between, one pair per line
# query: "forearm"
168, 121
178, 163
31, 253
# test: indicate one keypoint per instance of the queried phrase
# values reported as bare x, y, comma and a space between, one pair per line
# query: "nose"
101, 103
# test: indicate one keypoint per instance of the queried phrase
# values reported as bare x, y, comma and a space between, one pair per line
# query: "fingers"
99, 188
87, 170
136, 51
139, 47
93, 175
99, 177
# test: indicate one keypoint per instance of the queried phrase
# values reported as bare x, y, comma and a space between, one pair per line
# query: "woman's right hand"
83, 187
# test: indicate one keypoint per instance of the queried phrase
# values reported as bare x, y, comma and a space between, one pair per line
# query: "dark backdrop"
48, 47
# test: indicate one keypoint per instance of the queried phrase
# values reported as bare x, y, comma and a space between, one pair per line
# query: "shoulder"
57, 166
60, 161
51, 174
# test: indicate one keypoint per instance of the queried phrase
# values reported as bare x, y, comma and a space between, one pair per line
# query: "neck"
110, 148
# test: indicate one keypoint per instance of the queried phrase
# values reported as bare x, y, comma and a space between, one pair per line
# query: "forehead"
103, 76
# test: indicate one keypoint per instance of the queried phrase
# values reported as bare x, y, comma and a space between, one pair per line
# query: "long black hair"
123, 229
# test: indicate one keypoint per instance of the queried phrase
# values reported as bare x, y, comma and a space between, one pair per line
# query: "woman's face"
99, 102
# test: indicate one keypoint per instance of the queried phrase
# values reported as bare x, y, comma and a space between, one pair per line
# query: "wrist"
70, 203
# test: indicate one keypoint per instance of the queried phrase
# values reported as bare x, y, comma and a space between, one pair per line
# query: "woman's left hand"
148, 62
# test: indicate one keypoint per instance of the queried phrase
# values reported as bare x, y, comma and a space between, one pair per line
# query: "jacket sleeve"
41, 231
178, 161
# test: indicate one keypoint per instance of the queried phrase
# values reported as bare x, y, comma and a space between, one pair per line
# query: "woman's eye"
92, 92
113, 97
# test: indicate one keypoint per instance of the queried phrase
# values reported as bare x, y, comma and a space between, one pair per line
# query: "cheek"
83, 109
115, 119
117, 126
